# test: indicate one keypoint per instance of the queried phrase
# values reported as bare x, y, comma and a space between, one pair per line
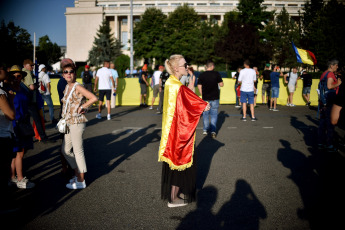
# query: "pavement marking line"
267, 127
127, 129
232, 127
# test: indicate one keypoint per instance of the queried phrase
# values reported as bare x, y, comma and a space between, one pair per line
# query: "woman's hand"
82, 110
208, 107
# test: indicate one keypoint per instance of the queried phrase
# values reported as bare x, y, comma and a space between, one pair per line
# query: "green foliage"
15, 45
80, 70
105, 46
323, 24
122, 62
47, 52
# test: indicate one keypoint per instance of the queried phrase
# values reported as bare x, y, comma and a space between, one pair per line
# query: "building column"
116, 27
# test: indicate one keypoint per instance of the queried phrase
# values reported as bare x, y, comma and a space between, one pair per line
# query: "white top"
293, 78
44, 78
115, 75
247, 77
6, 128
104, 78
156, 77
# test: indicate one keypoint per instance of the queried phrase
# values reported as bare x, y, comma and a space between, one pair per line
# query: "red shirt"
331, 75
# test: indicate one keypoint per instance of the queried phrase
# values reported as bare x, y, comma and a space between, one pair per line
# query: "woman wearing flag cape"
181, 113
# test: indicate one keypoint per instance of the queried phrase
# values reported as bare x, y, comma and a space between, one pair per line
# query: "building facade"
84, 19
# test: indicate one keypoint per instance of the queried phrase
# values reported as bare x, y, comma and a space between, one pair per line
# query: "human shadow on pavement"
202, 217
221, 119
309, 132
204, 154
243, 211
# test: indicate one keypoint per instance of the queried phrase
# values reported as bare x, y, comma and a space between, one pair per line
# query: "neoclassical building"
83, 20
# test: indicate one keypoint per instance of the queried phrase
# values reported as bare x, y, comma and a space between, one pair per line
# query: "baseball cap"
87, 66
41, 67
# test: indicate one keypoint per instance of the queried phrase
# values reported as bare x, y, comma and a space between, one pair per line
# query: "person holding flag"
182, 109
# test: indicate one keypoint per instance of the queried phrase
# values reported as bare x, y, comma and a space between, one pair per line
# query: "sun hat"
16, 69
67, 61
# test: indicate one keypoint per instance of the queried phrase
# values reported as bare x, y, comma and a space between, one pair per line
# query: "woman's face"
182, 68
69, 74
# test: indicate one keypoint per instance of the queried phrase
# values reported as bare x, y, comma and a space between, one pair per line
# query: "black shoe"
55, 121
254, 119
141, 105
243, 119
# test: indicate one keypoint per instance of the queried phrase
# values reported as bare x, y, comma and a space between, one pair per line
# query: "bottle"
114, 94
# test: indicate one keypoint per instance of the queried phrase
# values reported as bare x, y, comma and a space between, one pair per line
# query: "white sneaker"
288, 104
98, 116
76, 185
73, 179
151, 107
204, 132
177, 203
25, 183
108, 117
292, 105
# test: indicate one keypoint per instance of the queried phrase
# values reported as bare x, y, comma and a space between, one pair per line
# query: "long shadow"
309, 132
103, 154
242, 211
221, 119
202, 217
204, 154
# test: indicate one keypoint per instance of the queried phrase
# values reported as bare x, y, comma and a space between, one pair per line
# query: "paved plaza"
266, 174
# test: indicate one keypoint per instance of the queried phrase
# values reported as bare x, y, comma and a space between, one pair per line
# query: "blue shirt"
275, 79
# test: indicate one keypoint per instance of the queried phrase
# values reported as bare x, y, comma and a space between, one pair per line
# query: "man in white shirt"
292, 85
155, 79
45, 90
246, 79
105, 80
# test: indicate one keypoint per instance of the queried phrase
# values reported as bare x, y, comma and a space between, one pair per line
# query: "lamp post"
131, 48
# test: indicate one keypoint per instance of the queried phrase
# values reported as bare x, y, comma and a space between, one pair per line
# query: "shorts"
306, 90
156, 90
266, 88
143, 89
275, 92
106, 92
247, 95
291, 88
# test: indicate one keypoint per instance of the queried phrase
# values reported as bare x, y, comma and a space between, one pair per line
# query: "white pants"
72, 147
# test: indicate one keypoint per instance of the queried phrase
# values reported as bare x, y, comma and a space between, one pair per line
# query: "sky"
43, 17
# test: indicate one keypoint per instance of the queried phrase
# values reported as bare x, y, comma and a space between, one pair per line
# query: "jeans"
48, 100
213, 115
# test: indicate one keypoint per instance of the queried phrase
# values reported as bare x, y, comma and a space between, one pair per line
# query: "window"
190, 4
227, 4
124, 21
137, 5
294, 5
124, 5
162, 4
214, 4
149, 5
175, 4
201, 4
280, 5
267, 4
124, 40
113, 5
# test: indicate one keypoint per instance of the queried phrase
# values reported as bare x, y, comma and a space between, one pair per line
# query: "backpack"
87, 77
41, 88
325, 94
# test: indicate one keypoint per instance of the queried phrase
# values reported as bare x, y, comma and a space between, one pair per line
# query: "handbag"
62, 126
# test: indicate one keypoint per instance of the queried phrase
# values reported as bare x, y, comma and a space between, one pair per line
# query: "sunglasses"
66, 71
185, 65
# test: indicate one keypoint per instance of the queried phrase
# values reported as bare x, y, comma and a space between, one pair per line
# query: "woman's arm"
86, 93
7, 107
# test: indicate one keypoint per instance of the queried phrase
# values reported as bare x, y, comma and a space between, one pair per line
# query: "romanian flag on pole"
181, 113
304, 56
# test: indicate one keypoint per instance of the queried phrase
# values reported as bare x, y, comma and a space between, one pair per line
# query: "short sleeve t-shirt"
44, 78
266, 76
209, 81
247, 78
307, 80
292, 78
275, 79
330, 75
156, 76
115, 75
103, 75
164, 77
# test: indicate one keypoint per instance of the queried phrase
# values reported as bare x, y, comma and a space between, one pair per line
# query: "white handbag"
62, 126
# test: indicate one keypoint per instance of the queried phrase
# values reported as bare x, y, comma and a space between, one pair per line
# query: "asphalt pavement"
267, 174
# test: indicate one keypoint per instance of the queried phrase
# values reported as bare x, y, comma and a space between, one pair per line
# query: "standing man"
292, 85
44, 80
266, 84
116, 80
155, 79
143, 76
87, 76
104, 80
208, 85
33, 107
163, 78
246, 79
275, 87
307, 82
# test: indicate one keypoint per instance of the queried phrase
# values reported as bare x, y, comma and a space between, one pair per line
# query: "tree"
149, 35
15, 44
283, 31
105, 46
122, 62
48, 52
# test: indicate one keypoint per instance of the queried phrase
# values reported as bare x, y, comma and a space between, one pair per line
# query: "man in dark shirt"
266, 85
208, 85
307, 81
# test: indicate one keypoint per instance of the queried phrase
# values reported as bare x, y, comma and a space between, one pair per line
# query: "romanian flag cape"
304, 56
181, 114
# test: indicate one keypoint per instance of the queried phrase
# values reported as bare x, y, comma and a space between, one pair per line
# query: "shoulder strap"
69, 96
325, 76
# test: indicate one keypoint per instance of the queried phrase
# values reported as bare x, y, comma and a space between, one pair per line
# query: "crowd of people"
22, 95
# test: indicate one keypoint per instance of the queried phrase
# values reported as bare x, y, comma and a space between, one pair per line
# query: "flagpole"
34, 47
131, 48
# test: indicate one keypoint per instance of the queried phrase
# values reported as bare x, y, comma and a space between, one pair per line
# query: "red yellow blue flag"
304, 56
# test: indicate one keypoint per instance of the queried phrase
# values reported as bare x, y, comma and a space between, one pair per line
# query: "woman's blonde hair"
172, 62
